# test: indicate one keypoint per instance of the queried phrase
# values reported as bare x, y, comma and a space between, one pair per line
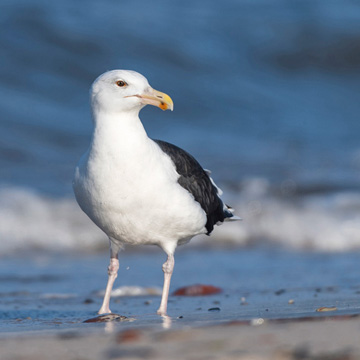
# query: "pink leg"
168, 268
112, 271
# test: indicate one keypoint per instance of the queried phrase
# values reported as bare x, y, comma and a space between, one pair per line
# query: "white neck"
117, 133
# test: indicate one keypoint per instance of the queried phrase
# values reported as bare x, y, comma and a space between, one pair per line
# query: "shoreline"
266, 310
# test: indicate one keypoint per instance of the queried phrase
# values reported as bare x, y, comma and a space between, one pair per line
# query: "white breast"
131, 192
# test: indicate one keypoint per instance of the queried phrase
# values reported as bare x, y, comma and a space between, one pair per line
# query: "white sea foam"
326, 222
322, 221
31, 221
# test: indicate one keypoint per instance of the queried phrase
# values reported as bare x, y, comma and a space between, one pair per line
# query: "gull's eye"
121, 83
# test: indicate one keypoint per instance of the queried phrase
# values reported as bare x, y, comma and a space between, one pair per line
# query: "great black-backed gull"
139, 190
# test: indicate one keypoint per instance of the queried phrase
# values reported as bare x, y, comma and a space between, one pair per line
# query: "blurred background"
266, 95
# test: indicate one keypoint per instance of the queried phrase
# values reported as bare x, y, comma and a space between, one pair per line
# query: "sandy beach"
330, 338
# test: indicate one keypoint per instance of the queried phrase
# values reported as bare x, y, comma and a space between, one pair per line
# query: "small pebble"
88, 301
291, 301
280, 292
325, 308
214, 309
243, 301
256, 322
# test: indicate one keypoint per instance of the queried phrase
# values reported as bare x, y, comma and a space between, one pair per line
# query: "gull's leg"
168, 268
112, 271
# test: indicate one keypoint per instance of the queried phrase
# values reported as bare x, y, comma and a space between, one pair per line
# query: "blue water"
266, 95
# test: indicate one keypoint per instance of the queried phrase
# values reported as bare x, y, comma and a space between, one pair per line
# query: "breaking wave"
283, 216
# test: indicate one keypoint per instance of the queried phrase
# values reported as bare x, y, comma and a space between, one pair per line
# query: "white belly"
137, 201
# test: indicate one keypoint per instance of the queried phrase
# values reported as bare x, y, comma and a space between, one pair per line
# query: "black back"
194, 179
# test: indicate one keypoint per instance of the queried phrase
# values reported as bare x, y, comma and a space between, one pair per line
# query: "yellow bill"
157, 98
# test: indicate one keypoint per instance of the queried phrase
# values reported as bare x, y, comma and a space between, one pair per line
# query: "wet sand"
267, 308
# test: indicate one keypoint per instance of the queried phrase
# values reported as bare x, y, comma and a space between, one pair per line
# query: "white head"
119, 91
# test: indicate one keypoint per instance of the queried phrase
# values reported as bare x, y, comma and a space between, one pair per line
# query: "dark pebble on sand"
279, 292
214, 309
88, 301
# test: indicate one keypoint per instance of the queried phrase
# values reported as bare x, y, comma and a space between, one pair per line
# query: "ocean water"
266, 95
45, 294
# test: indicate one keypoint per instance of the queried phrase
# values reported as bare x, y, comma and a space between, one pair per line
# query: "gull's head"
119, 91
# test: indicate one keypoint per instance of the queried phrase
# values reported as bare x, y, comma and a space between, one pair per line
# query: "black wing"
194, 179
